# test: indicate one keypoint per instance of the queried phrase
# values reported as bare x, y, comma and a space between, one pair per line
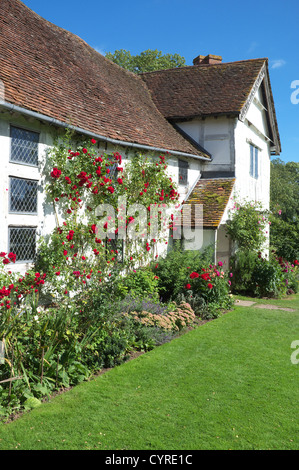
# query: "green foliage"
247, 225
140, 282
284, 204
258, 276
191, 277
147, 61
173, 268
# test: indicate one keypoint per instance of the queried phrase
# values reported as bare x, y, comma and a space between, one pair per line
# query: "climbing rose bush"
104, 208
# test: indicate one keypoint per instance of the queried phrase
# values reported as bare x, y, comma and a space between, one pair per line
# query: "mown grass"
290, 301
229, 384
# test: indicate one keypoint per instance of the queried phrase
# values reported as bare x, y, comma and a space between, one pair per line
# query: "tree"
146, 61
284, 205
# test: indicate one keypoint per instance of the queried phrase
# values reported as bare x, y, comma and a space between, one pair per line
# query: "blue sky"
235, 30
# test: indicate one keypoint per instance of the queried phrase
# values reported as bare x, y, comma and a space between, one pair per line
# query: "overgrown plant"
105, 208
248, 225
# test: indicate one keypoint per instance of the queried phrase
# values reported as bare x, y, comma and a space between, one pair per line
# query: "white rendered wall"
253, 131
45, 219
216, 135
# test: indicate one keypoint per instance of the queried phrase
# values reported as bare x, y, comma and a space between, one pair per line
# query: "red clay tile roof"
214, 195
53, 72
203, 90
210, 90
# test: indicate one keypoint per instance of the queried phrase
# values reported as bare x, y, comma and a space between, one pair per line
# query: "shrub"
181, 317
208, 290
247, 225
256, 275
173, 268
140, 282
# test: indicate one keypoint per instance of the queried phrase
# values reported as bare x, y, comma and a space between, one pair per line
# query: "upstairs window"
254, 161
22, 195
183, 172
24, 146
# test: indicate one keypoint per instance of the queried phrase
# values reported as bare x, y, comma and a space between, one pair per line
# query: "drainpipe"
215, 245
56, 122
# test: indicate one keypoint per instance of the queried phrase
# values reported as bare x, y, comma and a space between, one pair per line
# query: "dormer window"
254, 161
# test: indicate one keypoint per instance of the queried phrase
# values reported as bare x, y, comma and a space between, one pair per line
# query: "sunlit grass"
229, 384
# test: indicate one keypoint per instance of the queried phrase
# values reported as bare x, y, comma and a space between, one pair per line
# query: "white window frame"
254, 161
20, 162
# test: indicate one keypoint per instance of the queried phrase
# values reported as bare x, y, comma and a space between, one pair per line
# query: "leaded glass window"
24, 146
22, 242
23, 195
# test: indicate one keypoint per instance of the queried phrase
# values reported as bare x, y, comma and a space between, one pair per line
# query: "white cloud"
276, 64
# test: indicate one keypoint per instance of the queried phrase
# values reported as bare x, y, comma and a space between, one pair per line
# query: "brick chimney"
208, 59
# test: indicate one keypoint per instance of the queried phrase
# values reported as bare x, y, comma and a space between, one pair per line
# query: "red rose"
205, 276
93, 229
12, 257
194, 275
55, 173
188, 286
210, 286
93, 141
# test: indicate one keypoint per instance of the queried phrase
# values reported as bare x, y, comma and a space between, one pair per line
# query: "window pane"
22, 242
23, 195
183, 172
256, 163
24, 146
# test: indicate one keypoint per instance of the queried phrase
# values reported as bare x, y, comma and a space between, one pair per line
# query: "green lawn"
229, 384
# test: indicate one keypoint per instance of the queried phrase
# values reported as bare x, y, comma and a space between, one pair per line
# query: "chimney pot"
208, 59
